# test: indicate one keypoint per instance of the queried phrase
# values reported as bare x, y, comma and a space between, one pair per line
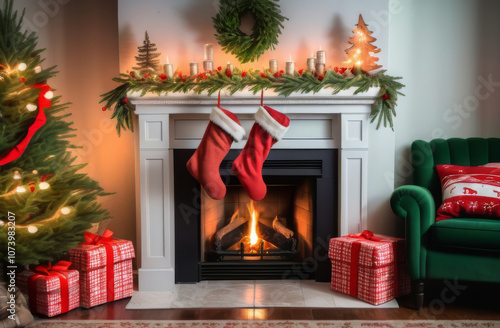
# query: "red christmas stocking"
223, 128
269, 127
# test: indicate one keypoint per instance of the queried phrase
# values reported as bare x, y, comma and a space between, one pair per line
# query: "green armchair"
459, 248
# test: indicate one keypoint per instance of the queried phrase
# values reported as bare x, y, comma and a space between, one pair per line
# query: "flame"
253, 224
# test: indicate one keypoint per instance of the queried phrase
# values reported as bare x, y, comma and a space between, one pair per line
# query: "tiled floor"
249, 293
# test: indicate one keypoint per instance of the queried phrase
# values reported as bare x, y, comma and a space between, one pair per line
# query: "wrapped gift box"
51, 290
105, 266
369, 266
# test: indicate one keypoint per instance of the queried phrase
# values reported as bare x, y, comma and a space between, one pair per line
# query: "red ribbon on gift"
49, 270
16, 151
367, 235
105, 239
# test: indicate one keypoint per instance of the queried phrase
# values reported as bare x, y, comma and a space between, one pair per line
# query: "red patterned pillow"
469, 191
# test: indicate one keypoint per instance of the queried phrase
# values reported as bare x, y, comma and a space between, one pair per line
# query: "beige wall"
81, 38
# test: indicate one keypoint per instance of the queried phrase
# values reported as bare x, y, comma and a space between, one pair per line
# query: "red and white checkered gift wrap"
105, 271
372, 270
45, 292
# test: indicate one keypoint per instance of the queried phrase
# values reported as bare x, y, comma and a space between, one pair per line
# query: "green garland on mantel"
382, 110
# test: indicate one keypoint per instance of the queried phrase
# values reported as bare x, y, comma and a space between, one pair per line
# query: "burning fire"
253, 224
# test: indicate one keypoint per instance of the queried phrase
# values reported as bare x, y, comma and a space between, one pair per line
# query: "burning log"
278, 226
238, 228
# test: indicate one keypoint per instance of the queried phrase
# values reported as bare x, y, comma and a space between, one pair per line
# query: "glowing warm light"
49, 94
2, 223
38, 69
32, 229
20, 189
35, 172
253, 224
31, 107
43, 185
358, 63
17, 176
22, 66
65, 210
358, 51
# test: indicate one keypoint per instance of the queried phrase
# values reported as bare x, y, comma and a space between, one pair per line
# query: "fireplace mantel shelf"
323, 97
178, 121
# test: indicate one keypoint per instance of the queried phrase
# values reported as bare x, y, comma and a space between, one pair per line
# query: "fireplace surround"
172, 126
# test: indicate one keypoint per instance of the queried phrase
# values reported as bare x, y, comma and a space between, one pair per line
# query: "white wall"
444, 49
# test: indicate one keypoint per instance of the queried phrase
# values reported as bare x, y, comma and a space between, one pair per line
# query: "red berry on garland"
147, 74
301, 71
219, 68
352, 70
342, 70
277, 74
336, 69
243, 74
184, 78
104, 109
315, 74
228, 73
385, 97
132, 74
163, 77
320, 77
23, 79
262, 74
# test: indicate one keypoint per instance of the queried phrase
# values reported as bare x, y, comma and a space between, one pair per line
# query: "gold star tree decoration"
359, 54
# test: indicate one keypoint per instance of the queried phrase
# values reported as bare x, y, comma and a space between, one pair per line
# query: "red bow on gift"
49, 270
366, 234
92, 239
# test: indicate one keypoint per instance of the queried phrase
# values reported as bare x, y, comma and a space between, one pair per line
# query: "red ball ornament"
104, 108
228, 73
132, 74
163, 77
243, 74
23, 79
125, 100
385, 97
320, 77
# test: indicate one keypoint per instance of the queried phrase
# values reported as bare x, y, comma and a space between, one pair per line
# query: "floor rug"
249, 294
262, 324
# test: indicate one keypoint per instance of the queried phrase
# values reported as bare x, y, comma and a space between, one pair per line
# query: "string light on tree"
44, 185
49, 95
31, 107
360, 53
17, 176
21, 189
65, 210
38, 69
22, 67
32, 229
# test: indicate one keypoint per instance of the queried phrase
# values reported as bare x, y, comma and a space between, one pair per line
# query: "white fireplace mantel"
318, 121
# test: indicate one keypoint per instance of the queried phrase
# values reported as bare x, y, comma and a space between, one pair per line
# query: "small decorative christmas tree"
359, 54
147, 56
46, 204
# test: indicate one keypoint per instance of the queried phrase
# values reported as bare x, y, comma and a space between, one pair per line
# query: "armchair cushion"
469, 191
471, 233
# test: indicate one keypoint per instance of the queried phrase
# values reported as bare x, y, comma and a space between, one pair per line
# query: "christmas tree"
45, 203
147, 55
359, 54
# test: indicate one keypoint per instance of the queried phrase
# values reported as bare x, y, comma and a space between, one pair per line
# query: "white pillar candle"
208, 54
321, 57
320, 68
208, 65
311, 64
273, 65
193, 68
168, 69
290, 67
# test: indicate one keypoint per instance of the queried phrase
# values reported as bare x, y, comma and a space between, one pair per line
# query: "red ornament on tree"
147, 74
23, 79
163, 77
132, 74
125, 100
320, 77
243, 74
228, 73
385, 97
104, 109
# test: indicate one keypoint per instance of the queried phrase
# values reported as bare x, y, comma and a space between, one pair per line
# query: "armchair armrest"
416, 205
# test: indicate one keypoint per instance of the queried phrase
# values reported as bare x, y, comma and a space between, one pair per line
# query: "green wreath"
265, 32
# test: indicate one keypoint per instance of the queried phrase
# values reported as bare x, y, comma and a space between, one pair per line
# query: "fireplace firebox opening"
283, 236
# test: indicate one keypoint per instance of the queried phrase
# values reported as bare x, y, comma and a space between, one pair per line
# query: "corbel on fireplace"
167, 123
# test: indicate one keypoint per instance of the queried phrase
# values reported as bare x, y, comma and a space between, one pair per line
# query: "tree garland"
265, 32
304, 82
